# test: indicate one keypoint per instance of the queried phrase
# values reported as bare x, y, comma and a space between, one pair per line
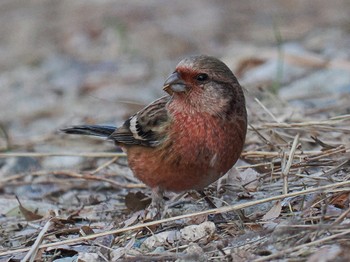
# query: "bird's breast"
203, 139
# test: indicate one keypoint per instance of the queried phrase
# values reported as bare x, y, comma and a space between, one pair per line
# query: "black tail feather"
91, 130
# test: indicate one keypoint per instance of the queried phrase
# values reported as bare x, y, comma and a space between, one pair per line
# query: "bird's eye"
202, 77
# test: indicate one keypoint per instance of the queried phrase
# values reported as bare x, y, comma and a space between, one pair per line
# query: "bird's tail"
91, 130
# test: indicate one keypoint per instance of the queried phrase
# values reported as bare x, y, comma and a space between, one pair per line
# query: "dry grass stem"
106, 164
285, 171
36, 246
266, 110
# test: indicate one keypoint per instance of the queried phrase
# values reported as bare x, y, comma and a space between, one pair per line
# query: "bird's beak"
174, 84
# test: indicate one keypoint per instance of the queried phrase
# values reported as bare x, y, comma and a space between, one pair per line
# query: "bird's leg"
157, 198
157, 207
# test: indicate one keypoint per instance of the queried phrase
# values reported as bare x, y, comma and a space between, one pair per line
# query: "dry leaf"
249, 179
160, 239
86, 230
28, 215
274, 212
117, 253
244, 195
137, 201
197, 219
340, 200
196, 232
134, 218
254, 227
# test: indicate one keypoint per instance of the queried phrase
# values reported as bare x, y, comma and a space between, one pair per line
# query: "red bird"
189, 138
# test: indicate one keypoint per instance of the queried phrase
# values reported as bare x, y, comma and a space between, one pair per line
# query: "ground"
68, 198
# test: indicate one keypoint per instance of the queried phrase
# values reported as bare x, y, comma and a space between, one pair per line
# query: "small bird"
189, 138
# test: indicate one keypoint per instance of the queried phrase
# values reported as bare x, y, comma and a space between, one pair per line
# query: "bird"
189, 138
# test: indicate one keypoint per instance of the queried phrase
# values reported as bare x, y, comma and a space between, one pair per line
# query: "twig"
266, 110
339, 149
285, 171
104, 165
336, 168
35, 247
341, 217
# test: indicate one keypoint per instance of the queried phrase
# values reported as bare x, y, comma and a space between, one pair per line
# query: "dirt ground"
66, 198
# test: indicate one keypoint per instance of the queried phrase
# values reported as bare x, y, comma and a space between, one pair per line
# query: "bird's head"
203, 83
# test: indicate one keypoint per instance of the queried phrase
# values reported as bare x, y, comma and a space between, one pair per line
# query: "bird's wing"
147, 127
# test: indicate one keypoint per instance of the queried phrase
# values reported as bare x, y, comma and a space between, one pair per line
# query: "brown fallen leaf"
274, 212
254, 227
86, 230
137, 201
28, 215
341, 200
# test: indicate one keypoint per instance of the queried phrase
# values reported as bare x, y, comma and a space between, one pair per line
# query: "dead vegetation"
287, 199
